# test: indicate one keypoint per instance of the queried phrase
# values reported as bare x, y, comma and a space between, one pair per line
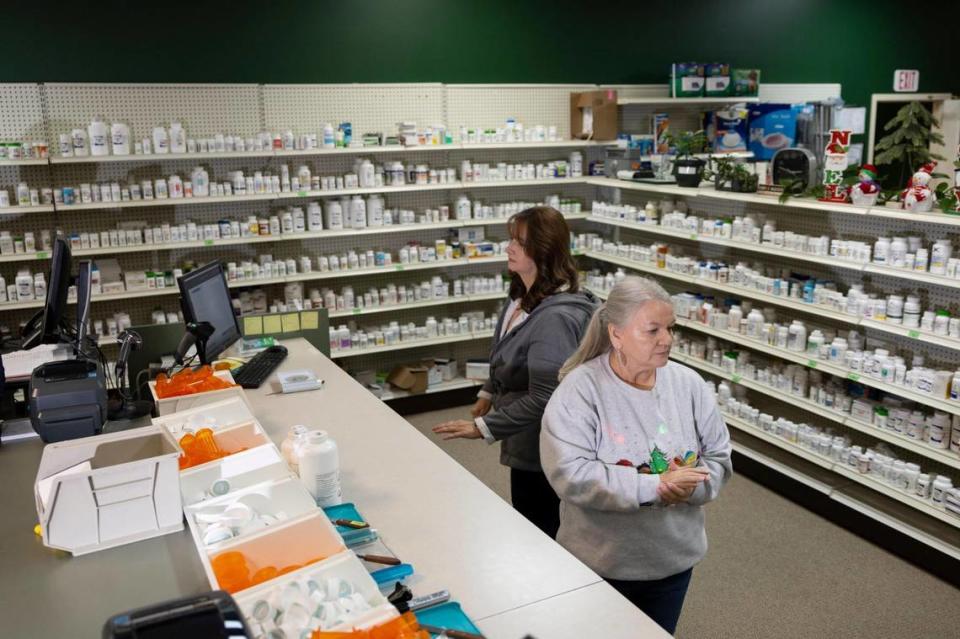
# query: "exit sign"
906, 80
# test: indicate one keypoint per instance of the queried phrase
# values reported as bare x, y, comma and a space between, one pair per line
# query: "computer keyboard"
256, 371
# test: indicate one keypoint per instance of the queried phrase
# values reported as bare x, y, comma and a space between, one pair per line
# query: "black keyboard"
256, 371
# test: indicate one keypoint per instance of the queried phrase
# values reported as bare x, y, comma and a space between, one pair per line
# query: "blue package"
730, 130
772, 127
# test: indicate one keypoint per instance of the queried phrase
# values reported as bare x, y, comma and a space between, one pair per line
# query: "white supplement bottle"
295, 436
319, 463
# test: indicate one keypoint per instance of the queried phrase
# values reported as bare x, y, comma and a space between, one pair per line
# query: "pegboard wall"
488, 105
21, 113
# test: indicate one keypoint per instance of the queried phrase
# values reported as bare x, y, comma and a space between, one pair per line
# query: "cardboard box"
470, 234
597, 112
772, 127
413, 379
448, 367
687, 80
719, 82
478, 369
746, 82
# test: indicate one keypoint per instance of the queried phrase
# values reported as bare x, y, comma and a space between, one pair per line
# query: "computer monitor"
204, 297
84, 285
44, 327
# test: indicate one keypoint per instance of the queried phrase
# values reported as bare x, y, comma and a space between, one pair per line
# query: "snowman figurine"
865, 192
918, 197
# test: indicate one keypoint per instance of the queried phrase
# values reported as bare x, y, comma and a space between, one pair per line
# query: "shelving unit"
666, 101
393, 308
408, 344
453, 384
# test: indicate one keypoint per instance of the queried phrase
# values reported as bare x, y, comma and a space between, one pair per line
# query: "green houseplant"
689, 169
729, 175
907, 146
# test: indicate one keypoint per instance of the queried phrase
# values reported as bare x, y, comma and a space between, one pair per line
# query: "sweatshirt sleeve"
714, 445
568, 454
549, 348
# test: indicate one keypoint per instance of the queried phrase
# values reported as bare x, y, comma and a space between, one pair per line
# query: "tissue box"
135, 280
478, 369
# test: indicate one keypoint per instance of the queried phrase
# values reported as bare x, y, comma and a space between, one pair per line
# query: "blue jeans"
660, 599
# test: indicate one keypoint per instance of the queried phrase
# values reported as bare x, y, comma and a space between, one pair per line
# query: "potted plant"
729, 175
907, 145
688, 169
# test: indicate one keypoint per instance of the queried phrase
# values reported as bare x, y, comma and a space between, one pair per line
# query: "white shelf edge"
30, 162
939, 455
423, 304
826, 367
779, 442
783, 469
702, 100
417, 343
454, 384
784, 302
18, 210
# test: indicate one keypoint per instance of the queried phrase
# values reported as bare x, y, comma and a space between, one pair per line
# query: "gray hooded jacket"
524, 365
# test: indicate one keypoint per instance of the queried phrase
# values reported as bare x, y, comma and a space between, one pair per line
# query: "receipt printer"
210, 615
68, 399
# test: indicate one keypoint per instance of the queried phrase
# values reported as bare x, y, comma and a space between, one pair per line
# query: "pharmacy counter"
458, 534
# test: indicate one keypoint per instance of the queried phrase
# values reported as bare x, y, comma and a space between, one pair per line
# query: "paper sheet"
309, 320
272, 324
253, 326
291, 323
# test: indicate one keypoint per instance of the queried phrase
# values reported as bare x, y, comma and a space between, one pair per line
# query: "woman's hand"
481, 407
458, 428
679, 482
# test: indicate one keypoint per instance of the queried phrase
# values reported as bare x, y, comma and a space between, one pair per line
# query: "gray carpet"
775, 569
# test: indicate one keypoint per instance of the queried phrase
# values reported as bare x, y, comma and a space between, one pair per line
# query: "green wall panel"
854, 42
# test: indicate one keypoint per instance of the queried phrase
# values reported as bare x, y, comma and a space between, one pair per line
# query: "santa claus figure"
865, 192
918, 196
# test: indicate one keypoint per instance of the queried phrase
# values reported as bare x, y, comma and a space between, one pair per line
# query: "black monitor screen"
46, 330
205, 297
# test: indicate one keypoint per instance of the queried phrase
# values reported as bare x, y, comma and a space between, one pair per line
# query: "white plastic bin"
286, 497
185, 402
344, 566
236, 439
215, 415
235, 472
109, 490
308, 539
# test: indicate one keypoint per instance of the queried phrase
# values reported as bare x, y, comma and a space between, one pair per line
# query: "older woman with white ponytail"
635, 445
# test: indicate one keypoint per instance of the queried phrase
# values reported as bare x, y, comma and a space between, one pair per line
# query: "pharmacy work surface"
510, 578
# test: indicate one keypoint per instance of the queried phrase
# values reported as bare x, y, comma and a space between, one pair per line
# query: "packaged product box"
478, 369
661, 126
448, 367
772, 127
746, 82
413, 379
718, 80
730, 130
687, 80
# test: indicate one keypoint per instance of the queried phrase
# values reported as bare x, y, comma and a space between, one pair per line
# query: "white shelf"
17, 210
766, 249
785, 302
413, 343
666, 101
30, 162
826, 367
444, 301
453, 384
285, 153
666, 189
292, 195
922, 505
945, 457
160, 157
906, 274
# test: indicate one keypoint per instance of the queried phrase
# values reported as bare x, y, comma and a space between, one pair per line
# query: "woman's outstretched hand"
458, 428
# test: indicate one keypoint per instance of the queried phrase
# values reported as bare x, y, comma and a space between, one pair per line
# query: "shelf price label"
357, 311
853, 377
301, 194
693, 236
398, 267
812, 363
736, 378
913, 334
208, 242
42, 255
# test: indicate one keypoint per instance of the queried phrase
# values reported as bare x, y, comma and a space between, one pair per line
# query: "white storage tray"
241, 470
185, 402
288, 496
234, 438
215, 415
345, 566
295, 542
108, 490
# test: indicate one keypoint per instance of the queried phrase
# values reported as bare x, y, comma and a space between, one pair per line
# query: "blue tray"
447, 615
351, 536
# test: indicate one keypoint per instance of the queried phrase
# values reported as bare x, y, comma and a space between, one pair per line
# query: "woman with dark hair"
537, 331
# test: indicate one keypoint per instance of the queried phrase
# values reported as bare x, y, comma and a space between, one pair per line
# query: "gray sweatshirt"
524, 365
597, 430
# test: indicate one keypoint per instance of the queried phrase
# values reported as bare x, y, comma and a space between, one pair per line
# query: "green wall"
854, 42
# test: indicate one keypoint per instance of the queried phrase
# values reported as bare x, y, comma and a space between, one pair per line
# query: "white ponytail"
624, 300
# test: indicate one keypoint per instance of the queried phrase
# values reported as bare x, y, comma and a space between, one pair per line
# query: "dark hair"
548, 245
